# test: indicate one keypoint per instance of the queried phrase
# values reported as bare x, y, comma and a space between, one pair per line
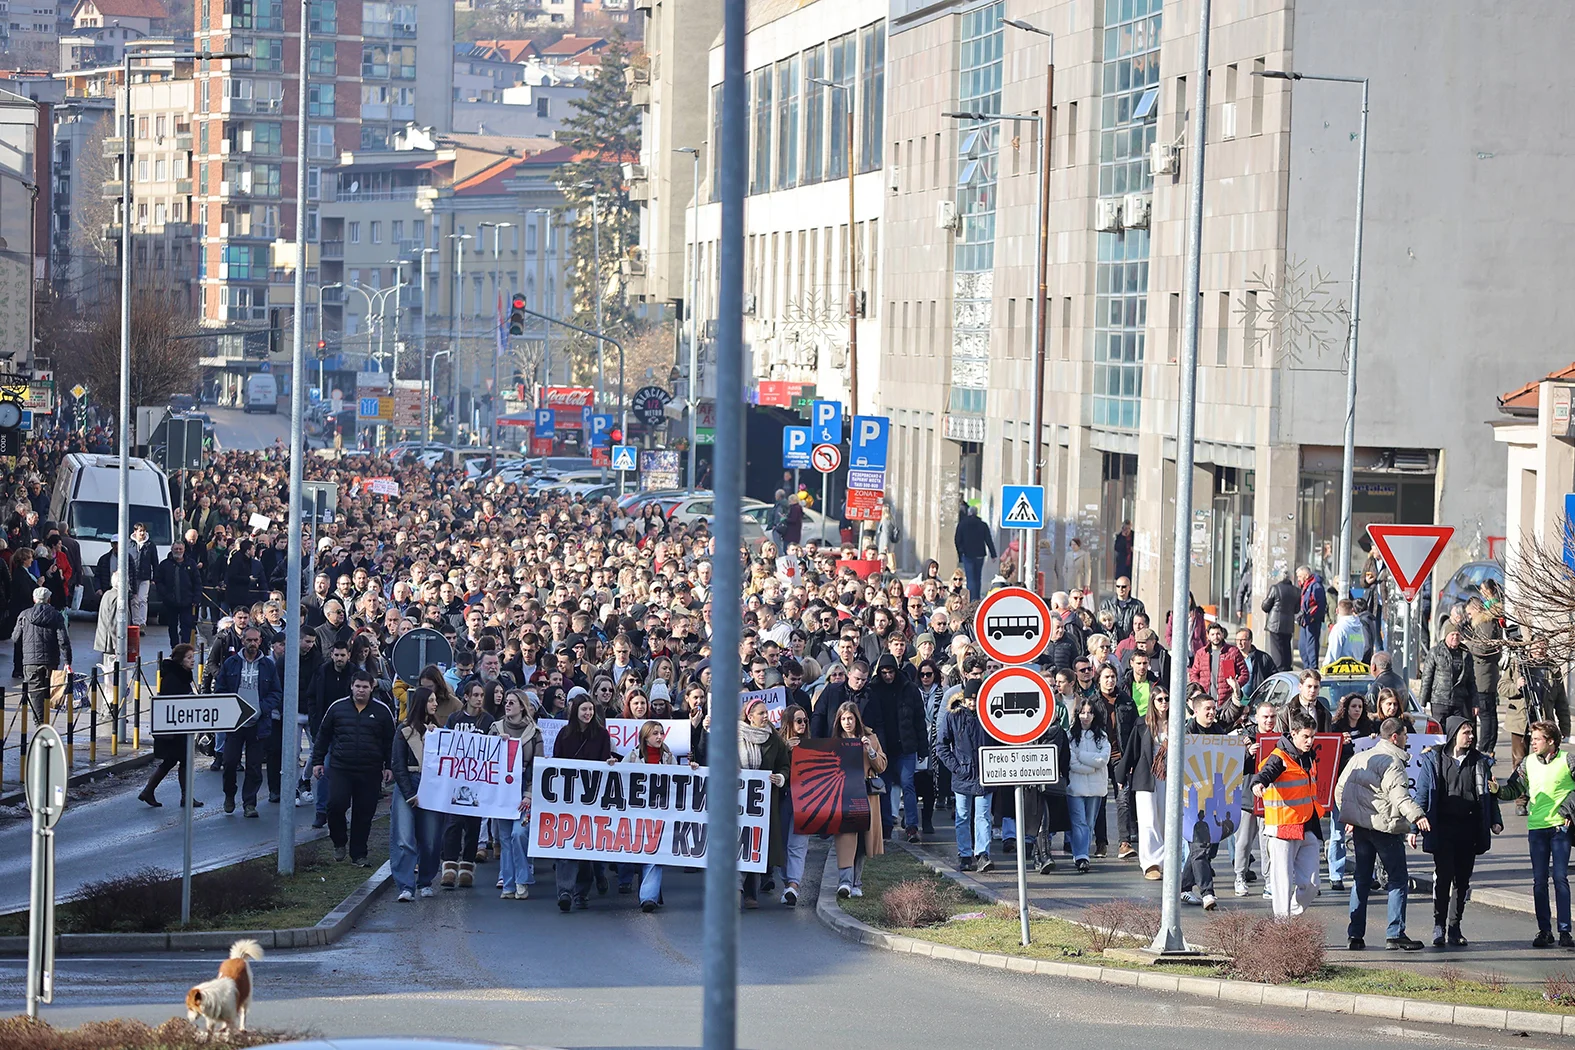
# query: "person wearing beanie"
1455, 787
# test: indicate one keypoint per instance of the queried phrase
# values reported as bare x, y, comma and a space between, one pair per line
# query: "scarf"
750, 742
520, 729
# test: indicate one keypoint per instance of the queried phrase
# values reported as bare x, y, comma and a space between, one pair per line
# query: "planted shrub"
141, 901
1114, 921
913, 903
1280, 950
22, 1033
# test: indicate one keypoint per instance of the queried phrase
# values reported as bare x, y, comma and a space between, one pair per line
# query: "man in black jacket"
1259, 664
177, 586
1125, 607
838, 693
903, 736
1060, 650
355, 740
973, 542
1448, 683
1281, 605
43, 645
331, 682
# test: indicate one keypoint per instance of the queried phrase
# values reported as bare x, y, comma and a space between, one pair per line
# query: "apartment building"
372, 69
1279, 214
163, 222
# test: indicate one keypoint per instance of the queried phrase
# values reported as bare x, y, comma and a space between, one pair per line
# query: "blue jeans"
1550, 855
1370, 846
977, 842
907, 765
514, 867
1084, 809
1337, 850
650, 882
973, 569
415, 844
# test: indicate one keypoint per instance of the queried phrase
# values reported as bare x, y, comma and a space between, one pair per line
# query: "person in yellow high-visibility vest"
1546, 780
1292, 819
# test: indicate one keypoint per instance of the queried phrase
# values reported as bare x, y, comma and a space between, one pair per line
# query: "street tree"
162, 363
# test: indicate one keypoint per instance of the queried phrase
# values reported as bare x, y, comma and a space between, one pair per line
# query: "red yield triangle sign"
1410, 551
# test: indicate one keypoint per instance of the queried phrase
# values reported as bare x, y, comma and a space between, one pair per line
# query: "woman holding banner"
416, 834
515, 872
462, 835
587, 739
759, 747
851, 849
651, 750
795, 727
1143, 767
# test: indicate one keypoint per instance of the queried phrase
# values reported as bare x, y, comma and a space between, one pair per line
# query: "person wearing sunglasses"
1143, 767
795, 728
932, 780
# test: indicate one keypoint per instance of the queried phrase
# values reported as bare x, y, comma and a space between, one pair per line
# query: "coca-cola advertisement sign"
567, 397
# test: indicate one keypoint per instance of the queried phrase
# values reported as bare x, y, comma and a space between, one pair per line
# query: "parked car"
1463, 586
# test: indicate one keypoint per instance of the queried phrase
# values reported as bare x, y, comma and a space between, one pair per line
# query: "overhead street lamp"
497, 289
458, 329
321, 379
132, 53
420, 260
693, 308
1348, 466
853, 300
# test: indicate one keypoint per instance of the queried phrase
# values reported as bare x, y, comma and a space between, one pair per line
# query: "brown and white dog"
222, 1002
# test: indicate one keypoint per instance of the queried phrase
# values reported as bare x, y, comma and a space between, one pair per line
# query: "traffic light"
322, 348
517, 315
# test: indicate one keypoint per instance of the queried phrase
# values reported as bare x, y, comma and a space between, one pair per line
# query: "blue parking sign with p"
868, 446
825, 422
544, 420
601, 429
796, 447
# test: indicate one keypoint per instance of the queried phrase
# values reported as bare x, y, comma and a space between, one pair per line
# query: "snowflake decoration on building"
1302, 316
814, 314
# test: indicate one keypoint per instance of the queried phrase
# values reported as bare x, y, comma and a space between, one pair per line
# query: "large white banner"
625, 733
470, 774
1416, 743
638, 812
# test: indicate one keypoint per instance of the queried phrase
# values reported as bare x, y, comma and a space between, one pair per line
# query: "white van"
86, 501
262, 392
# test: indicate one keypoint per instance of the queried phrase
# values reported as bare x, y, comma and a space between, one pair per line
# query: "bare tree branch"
1540, 594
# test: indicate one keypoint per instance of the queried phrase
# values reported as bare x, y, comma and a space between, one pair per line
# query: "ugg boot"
467, 874
450, 874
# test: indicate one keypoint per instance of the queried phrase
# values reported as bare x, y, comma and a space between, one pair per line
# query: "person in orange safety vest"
1292, 818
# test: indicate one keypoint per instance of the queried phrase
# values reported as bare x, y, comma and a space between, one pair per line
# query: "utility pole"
692, 307
849, 265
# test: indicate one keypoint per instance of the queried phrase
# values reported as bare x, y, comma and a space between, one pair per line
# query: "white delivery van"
86, 501
262, 392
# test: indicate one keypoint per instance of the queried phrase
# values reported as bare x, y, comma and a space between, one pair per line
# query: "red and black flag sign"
829, 796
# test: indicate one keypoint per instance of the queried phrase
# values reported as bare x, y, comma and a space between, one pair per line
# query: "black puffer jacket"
328, 686
41, 638
1061, 653
1448, 684
957, 745
902, 730
355, 741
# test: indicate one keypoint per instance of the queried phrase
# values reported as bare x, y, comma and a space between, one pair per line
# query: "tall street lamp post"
692, 307
848, 262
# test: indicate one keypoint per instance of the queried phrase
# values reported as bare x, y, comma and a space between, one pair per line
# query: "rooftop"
1523, 402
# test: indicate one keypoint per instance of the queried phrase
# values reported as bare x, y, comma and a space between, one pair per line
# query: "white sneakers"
426, 891
1210, 902
406, 896
844, 891
1241, 888
1188, 897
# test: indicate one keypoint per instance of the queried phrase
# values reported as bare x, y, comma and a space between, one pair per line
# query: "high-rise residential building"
372, 70
163, 241
1279, 201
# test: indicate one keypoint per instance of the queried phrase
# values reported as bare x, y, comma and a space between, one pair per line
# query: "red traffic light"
322, 344
518, 303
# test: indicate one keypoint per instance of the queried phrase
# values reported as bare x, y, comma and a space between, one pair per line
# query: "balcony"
113, 147
333, 296
183, 141
376, 196
112, 187
183, 186
333, 249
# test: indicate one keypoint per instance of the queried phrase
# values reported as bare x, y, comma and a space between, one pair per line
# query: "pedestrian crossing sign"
1022, 506
623, 457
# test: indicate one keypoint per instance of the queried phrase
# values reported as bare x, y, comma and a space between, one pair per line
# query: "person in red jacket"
1217, 665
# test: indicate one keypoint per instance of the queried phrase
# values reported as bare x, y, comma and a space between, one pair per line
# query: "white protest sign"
641, 813
470, 774
775, 700
625, 733
259, 522
1416, 743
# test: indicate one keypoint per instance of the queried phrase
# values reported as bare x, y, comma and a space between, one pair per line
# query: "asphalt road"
468, 965
235, 429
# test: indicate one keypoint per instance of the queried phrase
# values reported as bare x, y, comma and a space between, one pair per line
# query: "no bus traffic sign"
1012, 625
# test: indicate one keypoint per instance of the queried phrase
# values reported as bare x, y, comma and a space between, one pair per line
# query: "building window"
320, 58
1127, 129
268, 55
161, 171
374, 61
814, 115
544, 108
268, 138
314, 183
376, 19
319, 100
320, 142
376, 231
324, 17
396, 230
402, 62
353, 232
872, 95
760, 110
844, 62
716, 139
787, 123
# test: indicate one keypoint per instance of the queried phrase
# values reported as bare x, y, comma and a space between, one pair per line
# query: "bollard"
2, 737
120, 704
92, 730
158, 674
136, 712
71, 737
25, 710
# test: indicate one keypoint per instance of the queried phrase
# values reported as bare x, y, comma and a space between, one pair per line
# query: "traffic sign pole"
185, 820
1022, 866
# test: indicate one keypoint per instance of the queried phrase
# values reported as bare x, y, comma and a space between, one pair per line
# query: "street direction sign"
826, 458
418, 649
1410, 551
1009, 766
825, 422
1022, 506
46, 775
795, 448
1016, 705
866, 479
869, 442
1012, 625
203, 713
624, 458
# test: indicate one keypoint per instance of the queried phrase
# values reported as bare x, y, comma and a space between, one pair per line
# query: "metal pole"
1169, 938
694, 324
825, 509
189, 790
123, 519
459, 339
596, 247
426, 305
719, 1029
1348, 467
288, 756
1022, 865
1041, 309
433, 385
853, 272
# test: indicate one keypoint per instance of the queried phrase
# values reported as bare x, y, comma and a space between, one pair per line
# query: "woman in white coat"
1088, 775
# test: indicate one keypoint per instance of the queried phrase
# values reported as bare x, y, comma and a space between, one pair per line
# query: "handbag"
874, 786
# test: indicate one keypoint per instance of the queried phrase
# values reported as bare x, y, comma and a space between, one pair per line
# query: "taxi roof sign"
1345, 667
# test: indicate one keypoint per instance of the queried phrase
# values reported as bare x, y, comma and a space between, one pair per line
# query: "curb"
114, 767
1382, 1006
333, 926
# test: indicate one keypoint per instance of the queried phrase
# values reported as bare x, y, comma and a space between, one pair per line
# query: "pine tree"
605, 134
